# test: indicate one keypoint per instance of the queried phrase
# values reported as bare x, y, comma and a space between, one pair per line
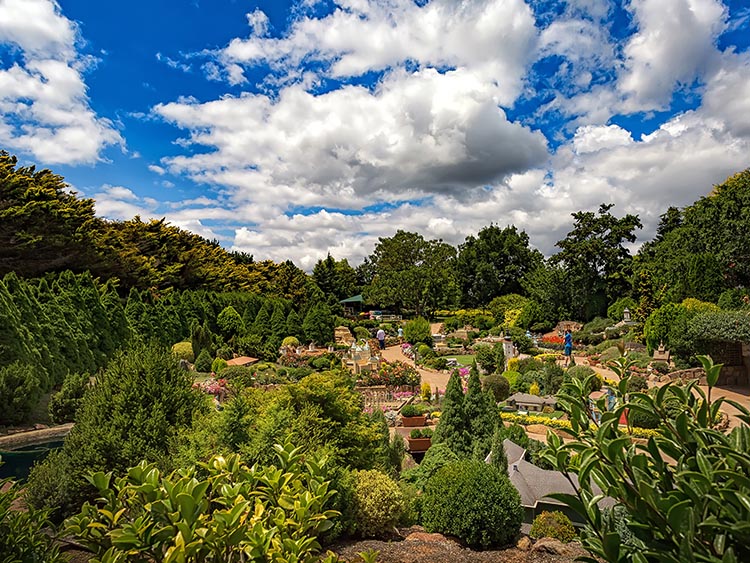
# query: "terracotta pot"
413, 421
419, 444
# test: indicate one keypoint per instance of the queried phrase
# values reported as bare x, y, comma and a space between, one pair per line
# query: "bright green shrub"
361, 333
637, 383
290, 341
418, 331
425, 352
685, 493
553, 525
218, 511
474, 501
498, 385
511, 376
184, 351
64, 404
203, 363
378, 503
20, 391
22, 532
218, 364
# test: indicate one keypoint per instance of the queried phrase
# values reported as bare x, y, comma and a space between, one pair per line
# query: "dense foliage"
683, 493
473, 501
221, 510
553, 525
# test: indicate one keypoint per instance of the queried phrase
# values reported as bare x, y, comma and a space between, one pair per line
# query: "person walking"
568, 350
381, 338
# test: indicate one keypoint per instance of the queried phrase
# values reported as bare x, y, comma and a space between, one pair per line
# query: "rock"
537, 429
427, 537
524, 544
40, 426
653, 378
552, 547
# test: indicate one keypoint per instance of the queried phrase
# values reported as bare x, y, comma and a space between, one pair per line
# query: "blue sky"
294, 129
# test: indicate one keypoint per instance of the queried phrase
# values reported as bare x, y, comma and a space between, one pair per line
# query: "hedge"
526, 420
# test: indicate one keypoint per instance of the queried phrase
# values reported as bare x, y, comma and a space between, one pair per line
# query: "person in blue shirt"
568, 350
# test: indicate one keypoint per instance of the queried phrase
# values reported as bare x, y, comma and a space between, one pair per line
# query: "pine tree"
451, 429
262, 323
294, 325
318, 324
230, 323
278, 324
480, 414
499, 457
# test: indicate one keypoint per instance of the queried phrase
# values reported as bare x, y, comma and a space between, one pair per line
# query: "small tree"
418, 332
203, 363
452, 429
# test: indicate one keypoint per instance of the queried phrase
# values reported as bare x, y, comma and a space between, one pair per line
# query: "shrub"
418, 331
426, 391
203, 363
421, 433
662, 368
425, 352
534, 389
439, 455
64, 404
637, 383
490, 358
475, 502
704, 519
361, 333
512, 377
290, 341
218, 364
553, 525
222, 511
529, 364
22, 532
513, 364
20, 391
498, 385
412, 410
377, 504
184, 351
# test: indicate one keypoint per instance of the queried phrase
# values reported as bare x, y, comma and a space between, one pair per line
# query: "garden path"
437, 379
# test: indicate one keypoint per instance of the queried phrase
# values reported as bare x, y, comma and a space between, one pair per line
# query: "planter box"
419, 444
413, 421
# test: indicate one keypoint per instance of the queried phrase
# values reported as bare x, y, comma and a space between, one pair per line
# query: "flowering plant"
393, 374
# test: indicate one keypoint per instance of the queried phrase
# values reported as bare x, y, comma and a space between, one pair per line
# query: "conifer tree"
318, 324
480, 415
451, 429
119, 329
294, 325
499, 457
278, 324
230, 323
262, 323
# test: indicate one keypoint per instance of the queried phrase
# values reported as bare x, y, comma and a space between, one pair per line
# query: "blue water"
17, 463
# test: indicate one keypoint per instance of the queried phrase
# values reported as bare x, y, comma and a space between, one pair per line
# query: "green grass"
464, 360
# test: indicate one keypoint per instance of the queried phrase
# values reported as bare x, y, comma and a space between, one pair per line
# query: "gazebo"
353, 305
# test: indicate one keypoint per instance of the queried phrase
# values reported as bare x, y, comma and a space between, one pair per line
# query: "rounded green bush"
475, 502
183, 351
378, 503
203, 363
498, 385
582, 372
218, 364
553, 525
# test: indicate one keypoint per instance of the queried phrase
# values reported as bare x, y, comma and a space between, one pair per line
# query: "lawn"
464, 360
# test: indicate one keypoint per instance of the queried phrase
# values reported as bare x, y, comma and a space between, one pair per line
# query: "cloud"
674, 46
44, 107
494, 37
424, 132
324, 160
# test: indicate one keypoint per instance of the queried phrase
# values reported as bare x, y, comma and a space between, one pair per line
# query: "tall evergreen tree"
262, 323
451, 429
318, 324
480, 415
294, 325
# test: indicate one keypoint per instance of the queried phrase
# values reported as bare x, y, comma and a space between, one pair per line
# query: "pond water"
17, 463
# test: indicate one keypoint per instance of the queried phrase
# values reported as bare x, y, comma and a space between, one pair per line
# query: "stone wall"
730, 375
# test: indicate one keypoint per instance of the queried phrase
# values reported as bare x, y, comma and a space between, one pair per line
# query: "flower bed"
555, 423
393, 374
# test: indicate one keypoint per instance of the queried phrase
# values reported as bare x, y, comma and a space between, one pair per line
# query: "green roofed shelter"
355, 299
352, 305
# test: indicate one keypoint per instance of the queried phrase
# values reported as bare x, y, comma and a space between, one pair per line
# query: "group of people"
381, 337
